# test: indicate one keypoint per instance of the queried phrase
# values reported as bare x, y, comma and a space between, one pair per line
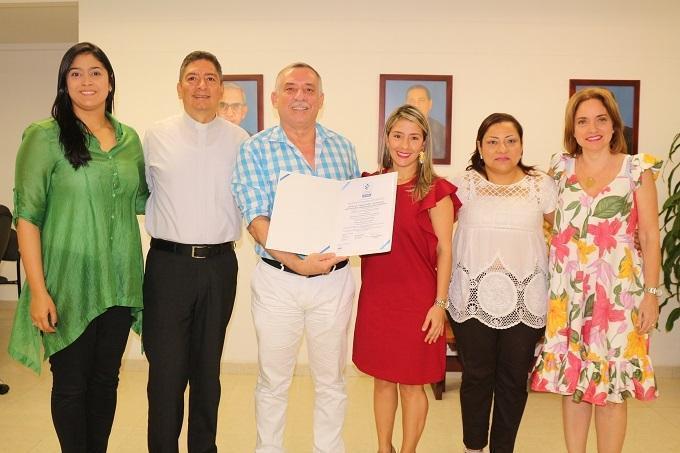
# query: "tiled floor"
26, 426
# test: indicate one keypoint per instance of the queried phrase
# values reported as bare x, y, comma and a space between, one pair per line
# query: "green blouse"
91, 247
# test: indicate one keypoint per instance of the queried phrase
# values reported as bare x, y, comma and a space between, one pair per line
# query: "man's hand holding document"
319, 215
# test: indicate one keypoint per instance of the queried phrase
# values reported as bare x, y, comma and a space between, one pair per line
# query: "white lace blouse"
500, 270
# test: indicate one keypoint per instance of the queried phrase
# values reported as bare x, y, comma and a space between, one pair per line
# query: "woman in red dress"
398, 338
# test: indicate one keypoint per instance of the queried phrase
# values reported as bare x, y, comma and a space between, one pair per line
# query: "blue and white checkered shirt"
265, 155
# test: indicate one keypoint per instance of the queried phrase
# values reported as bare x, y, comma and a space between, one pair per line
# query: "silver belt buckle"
193, 251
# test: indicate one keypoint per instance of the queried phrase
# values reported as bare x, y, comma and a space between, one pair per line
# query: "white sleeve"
548, 194
462, 184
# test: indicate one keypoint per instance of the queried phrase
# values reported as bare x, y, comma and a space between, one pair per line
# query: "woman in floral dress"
603, 294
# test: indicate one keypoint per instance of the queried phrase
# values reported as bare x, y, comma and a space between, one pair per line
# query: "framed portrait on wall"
627, 94
242, 102
432, 95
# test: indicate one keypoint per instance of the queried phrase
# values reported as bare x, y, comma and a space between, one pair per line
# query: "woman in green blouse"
79, 184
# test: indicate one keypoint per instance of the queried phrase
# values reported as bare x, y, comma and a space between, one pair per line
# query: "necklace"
589, 181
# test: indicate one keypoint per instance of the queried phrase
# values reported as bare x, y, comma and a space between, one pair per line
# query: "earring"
421, 157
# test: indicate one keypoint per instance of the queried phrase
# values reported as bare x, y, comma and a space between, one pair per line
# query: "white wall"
504, 56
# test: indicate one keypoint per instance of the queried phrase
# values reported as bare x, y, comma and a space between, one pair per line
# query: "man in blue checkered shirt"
294, 296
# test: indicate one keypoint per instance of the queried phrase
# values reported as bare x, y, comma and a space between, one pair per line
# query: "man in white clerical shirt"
190, 279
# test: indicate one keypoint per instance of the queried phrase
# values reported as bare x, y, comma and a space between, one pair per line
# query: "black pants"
187, 305
85, 383
496, 363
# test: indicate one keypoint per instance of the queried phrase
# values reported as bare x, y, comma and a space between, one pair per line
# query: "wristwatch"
657, 291
442, 303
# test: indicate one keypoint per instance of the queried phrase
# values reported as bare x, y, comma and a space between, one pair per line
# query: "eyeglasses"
236, 106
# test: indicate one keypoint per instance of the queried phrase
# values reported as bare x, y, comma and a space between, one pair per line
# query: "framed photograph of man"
627, 94
242, 102
432, 95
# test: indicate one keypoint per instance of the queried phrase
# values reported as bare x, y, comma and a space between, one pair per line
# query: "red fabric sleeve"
440, 189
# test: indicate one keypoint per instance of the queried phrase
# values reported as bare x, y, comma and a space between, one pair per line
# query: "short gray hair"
296, 66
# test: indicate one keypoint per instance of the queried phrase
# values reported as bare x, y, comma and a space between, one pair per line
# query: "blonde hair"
617, 143
425, 173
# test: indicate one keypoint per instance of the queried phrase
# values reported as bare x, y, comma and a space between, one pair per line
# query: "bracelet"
657, 291
442, 303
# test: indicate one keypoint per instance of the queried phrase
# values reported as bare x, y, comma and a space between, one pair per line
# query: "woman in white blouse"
499, 285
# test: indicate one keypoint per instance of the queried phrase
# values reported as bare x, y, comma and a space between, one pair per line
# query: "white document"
319, 215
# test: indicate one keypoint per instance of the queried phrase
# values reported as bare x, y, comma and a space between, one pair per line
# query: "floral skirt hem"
595, 381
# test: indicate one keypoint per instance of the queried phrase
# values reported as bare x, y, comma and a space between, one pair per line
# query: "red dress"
397, 290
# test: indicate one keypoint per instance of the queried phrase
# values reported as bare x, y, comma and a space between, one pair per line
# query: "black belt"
280, 266
194, 251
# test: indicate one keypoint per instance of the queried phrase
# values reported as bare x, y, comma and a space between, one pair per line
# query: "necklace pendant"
590, 181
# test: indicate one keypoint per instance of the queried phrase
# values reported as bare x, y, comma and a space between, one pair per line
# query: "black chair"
9, 247
8, 241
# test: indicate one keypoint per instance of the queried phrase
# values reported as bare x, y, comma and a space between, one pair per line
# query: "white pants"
286, 306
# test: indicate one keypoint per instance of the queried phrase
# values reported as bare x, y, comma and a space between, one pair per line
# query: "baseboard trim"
234, 368
350, 370
667, 371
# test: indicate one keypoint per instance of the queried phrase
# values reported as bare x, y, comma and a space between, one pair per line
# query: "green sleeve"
143, 189
33, 173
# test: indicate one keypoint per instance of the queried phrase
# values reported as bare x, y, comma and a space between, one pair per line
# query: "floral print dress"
591, 349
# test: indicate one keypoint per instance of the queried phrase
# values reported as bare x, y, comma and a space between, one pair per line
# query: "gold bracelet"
442, 303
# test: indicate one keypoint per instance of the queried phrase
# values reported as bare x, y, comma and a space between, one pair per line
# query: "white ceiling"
33, 23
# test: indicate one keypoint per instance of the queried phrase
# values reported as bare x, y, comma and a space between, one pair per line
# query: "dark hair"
200, 55
476, 161
73, 133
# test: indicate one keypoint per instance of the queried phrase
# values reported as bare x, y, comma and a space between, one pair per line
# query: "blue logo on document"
367, 191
